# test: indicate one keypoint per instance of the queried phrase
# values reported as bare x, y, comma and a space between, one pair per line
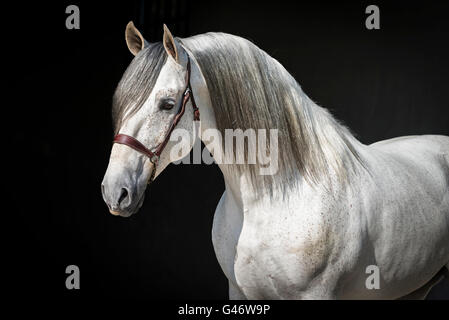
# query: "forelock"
137, 83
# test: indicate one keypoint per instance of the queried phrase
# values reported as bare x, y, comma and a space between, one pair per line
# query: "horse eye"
167, 105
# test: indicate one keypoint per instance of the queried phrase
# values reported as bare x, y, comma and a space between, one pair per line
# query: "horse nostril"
123, 195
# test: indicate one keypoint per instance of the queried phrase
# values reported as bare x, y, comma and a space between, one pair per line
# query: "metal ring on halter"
154, 159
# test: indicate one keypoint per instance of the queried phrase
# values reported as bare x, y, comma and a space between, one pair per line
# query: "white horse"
335, 207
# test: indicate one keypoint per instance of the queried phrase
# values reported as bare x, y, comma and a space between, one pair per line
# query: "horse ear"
134, 39
172, 46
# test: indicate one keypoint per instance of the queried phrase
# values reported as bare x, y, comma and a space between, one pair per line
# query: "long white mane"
250, 89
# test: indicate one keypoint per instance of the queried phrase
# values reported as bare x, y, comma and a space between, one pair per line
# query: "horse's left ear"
173, 47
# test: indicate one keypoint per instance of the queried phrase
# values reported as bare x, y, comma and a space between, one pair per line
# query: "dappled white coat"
317, 242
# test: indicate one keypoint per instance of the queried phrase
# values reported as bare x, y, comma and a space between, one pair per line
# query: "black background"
381, 83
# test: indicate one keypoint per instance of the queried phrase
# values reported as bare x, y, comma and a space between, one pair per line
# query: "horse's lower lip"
115, 213
124, 214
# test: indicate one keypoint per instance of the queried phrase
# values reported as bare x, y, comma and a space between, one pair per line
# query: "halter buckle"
154, 159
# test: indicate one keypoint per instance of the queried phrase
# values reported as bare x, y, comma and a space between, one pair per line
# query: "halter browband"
154, 156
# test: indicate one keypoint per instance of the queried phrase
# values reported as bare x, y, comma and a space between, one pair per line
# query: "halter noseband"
154, 156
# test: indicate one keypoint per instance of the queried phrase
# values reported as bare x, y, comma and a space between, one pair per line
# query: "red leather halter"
154, 155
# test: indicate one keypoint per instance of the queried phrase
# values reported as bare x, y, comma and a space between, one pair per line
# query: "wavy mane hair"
250, 89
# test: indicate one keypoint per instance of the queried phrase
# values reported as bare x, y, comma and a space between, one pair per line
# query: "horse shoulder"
296, 240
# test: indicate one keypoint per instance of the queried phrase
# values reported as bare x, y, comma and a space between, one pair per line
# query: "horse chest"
279, 251
279, 259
